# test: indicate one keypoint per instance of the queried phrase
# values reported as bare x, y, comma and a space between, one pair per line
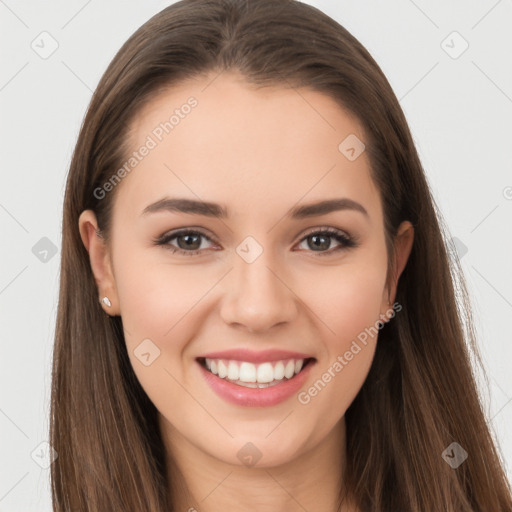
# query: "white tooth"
247, 372
222, 369
290, 369
265, 373
279, 371
233, 371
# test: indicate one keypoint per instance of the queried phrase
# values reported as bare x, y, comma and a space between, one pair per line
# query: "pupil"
188, 237
320, 245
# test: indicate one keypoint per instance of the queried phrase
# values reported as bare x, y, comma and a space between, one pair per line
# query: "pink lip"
256, 357
256, 397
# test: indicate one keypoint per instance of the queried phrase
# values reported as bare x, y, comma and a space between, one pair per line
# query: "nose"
257, 296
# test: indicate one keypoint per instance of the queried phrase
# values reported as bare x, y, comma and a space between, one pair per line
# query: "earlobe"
100, 261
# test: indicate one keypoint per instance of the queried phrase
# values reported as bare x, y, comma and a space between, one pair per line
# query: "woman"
257, 308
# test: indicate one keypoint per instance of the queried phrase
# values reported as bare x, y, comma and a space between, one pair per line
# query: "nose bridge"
257, 296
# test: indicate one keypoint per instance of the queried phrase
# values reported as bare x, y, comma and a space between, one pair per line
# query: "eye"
189, 241
320, 240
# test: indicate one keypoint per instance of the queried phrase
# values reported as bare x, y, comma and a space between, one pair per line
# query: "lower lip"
256, 397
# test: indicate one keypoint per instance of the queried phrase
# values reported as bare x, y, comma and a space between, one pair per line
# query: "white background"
459, 112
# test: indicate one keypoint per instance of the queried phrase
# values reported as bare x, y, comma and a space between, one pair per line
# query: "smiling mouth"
263, 375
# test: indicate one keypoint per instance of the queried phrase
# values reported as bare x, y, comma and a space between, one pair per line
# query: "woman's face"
260, 278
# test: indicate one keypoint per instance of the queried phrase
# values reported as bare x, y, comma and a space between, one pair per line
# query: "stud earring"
106, 301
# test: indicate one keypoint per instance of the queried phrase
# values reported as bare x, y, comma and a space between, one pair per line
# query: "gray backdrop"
448, 66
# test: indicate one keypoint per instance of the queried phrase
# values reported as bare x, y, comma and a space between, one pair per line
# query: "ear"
100, 259
402, 247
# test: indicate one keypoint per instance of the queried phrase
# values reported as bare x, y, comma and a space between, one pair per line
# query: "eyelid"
329, 229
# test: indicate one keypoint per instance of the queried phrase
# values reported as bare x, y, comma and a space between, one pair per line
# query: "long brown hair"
420, 394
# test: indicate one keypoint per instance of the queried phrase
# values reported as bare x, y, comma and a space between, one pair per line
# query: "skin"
258, 153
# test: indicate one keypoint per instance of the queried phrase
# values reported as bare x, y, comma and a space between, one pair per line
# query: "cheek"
158, 303
348, 305
350, 311
156, 298
347, 299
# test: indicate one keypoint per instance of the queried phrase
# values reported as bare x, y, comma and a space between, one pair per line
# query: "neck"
311, 481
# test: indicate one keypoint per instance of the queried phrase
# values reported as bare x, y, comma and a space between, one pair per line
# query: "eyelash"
346, 241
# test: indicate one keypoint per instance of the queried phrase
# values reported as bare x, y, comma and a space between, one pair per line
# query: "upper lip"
251, 356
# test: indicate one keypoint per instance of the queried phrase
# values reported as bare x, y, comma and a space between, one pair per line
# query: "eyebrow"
215, 210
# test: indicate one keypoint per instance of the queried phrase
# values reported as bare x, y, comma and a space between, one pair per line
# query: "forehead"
218, 138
